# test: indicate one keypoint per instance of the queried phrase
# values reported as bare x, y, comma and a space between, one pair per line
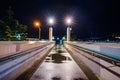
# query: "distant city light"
57, 38
63, 38
31, 42
118, 37
53, 38
18, 36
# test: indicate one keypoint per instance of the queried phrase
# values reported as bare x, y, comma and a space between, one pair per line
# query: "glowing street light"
38, 24
68, 21
51, 21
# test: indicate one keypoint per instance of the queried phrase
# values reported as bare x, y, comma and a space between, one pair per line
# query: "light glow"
51, 21
68, 20
37, 24
31, 42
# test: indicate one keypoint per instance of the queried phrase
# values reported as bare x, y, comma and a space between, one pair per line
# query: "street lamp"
68, 21
51, 21
38, 24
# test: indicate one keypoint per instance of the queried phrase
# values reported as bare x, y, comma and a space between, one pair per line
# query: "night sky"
92, 18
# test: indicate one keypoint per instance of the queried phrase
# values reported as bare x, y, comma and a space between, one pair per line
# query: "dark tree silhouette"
11, 29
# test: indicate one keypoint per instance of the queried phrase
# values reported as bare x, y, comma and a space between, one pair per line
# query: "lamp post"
68, 22
37, 24
51, 22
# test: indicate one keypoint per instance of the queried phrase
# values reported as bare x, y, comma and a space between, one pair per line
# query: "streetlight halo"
68, 20
37, 23
51, 20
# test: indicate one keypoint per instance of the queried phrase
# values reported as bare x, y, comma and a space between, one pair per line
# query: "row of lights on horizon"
51, 22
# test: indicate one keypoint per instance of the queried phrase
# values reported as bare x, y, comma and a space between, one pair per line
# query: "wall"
109, 50
11, 47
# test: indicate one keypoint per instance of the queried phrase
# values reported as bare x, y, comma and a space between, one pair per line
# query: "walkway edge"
89, 73
29, 72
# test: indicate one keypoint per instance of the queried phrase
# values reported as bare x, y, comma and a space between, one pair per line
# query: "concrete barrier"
101, 72
7, 50
18, 66
91, 47
11, 47
111, 50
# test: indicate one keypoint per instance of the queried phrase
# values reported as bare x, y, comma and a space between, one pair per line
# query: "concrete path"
59, 65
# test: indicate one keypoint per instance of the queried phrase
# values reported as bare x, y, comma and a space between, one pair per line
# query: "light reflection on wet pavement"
59, 65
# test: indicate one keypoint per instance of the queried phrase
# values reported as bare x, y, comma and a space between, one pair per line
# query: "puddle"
58, 57
55, 78
79, 79
60, 51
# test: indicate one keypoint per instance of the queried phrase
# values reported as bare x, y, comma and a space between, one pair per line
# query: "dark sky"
92, 18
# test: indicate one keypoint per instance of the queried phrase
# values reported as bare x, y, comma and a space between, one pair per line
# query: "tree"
8, 33
22, 31
11, 29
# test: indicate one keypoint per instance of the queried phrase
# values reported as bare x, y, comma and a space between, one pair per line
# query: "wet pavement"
59, 65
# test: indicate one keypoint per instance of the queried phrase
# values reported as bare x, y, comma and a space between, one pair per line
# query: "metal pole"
39, 33
68, 33
50, 33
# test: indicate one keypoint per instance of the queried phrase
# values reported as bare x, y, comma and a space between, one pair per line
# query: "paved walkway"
59, 65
